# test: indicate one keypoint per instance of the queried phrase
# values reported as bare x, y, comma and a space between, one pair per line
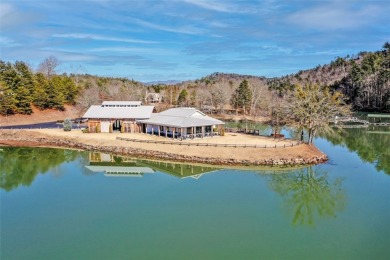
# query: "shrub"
85, 130
98, 128
67, 124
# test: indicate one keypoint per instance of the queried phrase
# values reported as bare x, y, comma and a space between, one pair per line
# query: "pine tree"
7, 102
182, 100
40, 95
242, 97
26, 77
23, 100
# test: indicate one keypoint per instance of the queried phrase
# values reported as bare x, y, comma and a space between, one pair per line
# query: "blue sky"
180, 40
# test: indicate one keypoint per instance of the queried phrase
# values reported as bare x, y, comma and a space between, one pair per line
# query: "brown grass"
40, 116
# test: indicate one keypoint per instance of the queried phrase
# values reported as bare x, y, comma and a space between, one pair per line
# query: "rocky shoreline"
12, 140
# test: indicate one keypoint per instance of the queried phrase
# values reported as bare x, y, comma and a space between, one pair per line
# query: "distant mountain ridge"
364, 79
162, 82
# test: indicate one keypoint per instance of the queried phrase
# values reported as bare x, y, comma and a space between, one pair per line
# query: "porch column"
193, 131
166, 131
202, 131
152, 130
173, 132
212, 131
158, 131
181, 131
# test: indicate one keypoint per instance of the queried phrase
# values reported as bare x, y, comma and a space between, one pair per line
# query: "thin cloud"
232, 7
183, 29
5, 9
100, 38
213, 5
7, 42
154, 51
333, 17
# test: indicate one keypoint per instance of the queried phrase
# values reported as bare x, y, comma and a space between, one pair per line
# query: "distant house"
117, 116
154, 97
181, 123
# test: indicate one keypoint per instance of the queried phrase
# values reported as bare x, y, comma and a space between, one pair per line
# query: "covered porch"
182, 133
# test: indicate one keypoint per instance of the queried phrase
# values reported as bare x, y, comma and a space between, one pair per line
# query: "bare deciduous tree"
48, 66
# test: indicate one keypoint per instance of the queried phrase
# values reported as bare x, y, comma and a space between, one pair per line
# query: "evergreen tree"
242, 96
182, 100
7, 101
69, 90
23, 100
55, 97
40, 95
26, 77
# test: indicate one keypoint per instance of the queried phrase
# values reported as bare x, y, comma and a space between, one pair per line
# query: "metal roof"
140, 112
125, 103
182, 117
181, 112
119, 169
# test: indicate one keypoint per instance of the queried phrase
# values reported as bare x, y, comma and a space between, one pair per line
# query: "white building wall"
105, 126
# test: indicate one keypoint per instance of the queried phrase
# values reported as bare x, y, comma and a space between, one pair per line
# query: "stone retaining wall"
136, 152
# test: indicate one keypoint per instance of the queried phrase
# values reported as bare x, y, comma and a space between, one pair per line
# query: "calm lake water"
61, 204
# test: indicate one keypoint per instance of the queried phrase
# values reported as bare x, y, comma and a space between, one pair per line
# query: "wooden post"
173, 132
166, 131
158, 131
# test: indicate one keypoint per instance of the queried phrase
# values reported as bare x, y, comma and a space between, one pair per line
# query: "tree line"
307, 99
20, 87
364, 79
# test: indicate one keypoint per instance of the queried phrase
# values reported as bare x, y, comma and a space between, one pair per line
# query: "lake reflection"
113, 165
309, 194
62, 204
20, 166
372, 144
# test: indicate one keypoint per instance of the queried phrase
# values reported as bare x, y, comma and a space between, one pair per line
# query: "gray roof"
182, 117
141, 112
119, 169
117, 103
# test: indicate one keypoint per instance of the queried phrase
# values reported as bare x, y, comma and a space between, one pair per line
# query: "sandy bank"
106, 142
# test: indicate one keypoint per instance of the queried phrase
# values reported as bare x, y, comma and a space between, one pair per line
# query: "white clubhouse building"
132, 117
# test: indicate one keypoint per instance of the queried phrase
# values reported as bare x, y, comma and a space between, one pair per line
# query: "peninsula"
249, 149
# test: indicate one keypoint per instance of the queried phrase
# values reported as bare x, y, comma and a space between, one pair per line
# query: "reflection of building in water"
179, 170
120, 170
122, 166
115, 165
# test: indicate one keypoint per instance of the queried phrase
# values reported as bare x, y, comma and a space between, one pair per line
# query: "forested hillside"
20, 88
364, 79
